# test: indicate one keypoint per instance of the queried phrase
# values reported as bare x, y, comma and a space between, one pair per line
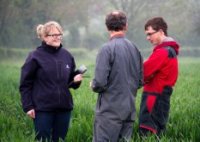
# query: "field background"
15, 126
84, 32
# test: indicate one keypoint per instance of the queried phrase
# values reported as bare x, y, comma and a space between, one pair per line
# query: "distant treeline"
85, 54
83, 20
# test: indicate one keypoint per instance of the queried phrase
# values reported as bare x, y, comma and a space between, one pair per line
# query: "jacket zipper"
58, 67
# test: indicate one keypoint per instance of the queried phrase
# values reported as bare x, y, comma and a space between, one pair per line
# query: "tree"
177, 13
195, 10
5, 14
19, 18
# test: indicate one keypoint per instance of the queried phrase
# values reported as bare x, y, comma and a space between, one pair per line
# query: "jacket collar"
117, 35
49, 48
172, 44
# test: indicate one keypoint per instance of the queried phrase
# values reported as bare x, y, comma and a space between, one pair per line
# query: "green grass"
183, 126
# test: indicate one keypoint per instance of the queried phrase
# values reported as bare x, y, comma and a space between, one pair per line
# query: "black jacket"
46, 77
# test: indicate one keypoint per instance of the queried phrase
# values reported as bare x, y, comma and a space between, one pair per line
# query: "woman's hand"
31, 113
78, 78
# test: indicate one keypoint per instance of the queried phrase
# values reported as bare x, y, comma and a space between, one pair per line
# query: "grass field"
183, 126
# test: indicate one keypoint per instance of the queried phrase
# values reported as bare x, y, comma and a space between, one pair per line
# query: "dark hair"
116, 21
157, 23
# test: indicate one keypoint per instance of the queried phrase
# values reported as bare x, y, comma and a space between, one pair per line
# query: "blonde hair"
43, 30
39, 31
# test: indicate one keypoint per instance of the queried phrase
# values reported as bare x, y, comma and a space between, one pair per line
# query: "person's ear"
126, 27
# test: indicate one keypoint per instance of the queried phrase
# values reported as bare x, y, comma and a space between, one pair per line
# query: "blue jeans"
51, 126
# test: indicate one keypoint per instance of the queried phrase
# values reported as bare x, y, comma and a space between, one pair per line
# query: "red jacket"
161, 69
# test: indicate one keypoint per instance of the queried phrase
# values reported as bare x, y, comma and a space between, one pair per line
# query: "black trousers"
154, 111
51, 126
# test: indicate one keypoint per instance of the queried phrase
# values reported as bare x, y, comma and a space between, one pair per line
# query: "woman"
46, 77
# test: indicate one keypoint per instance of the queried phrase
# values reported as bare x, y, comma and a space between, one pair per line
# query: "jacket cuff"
75, 85
27, 109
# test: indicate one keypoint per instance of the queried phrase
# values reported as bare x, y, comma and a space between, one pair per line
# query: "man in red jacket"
160, 75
